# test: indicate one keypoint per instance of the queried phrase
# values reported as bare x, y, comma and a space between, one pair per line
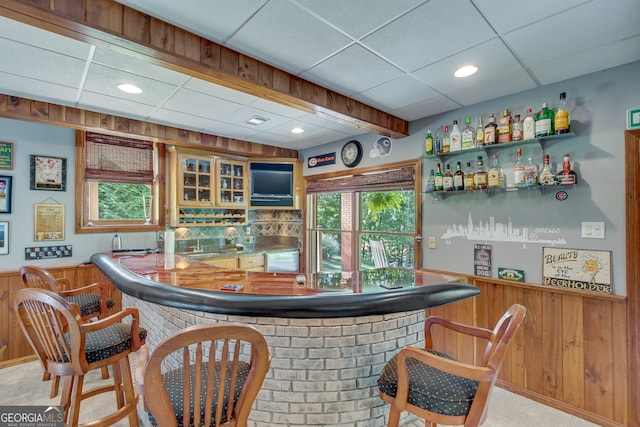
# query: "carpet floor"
22, 385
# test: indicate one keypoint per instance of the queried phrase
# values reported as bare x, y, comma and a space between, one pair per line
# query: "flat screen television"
271, 184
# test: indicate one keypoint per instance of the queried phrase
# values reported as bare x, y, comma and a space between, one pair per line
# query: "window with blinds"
119, 189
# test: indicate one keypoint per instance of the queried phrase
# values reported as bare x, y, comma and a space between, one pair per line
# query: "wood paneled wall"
570, 353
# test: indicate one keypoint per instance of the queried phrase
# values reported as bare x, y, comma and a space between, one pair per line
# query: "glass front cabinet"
195, 179
231, 183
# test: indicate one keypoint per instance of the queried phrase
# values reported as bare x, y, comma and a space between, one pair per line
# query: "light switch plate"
593, 230
432, 242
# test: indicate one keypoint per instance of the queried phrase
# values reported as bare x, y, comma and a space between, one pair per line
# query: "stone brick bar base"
323, 371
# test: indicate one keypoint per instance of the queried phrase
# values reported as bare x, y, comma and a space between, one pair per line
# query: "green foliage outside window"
121, 201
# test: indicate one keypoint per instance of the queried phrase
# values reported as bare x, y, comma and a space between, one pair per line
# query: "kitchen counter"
184, 282
226, 252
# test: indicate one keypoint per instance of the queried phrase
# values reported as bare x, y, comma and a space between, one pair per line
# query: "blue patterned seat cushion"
173, 383
88, 303
107, 342
430, 388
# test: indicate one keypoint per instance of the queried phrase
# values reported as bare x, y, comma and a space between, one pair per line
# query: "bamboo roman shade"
118, 159
402, 178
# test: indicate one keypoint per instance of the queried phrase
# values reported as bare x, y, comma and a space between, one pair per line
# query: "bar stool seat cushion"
107, 342
88, 303
174, 385
430, 388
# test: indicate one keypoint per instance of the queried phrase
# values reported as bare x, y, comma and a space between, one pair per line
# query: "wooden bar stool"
69, 347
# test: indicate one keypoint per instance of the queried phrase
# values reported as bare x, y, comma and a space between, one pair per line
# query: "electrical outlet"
593, 230
432, 242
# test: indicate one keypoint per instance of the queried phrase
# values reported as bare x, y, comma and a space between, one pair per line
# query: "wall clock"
351, 153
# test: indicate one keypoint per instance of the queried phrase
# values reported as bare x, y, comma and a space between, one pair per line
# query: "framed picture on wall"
49, 222
4, 237
6, 155
5, 193
48, 173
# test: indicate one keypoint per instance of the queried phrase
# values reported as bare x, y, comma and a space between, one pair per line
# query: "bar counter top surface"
183, 282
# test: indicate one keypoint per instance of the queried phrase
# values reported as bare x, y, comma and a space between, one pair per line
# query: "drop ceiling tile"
580, 63
492, 59
229, 130
505, 16
352, 70
241, 115
216, 21
429, 33
396, 93
591, 25
207, 88
129, 64
102, 103
358, 17
28, 61
41, 39
180, 120
505, 84
101, 79
329, 124
276, 108
427, 108
270, 36
200, 105
24, 87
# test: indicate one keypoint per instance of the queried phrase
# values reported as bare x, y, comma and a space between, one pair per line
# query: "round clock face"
351, 153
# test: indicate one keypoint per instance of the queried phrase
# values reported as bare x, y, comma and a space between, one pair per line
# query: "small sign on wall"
482, 260
588, 270
47, 252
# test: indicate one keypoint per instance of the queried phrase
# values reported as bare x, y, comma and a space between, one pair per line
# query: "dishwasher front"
283, 261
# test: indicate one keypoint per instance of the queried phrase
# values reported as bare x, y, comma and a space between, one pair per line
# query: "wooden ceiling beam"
108, 24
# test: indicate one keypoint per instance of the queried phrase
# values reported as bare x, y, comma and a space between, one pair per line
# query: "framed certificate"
49, 222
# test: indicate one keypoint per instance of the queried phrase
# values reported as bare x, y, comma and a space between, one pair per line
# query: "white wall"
30, 138
598, 117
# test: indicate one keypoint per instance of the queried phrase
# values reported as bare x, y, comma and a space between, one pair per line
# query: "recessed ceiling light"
297, 130
256, 120
466, 71
125, 87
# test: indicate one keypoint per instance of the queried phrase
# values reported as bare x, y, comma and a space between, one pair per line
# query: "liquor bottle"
480, 175
480, 133
468, 135
431, 182
469, 178
546, 176
490, 130
529, 125
428, 142
437, 143
517, 128
567, 176
439, 179
455, 137
458, 178
518, 170
530, 173
544, 121
446, 142
447, 182
495, 177
562, 115
504, 129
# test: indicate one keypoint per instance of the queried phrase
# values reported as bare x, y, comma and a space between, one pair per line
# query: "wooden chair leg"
76, 398
65, 399
55, 386
105, 372
129, 391
394, 417
117, 383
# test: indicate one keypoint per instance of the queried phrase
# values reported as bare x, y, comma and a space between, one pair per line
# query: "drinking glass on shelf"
146, 207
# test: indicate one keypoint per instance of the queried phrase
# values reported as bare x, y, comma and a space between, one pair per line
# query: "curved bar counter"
329, 337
